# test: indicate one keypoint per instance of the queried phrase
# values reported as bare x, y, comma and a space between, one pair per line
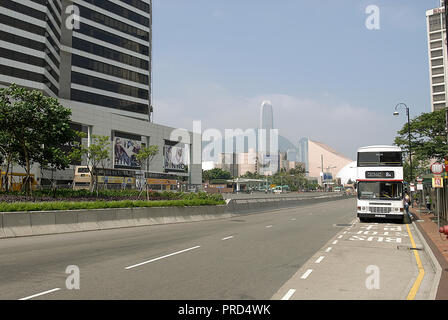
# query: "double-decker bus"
380, 183
107, 178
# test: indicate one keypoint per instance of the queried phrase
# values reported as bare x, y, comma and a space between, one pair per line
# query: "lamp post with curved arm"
396, 113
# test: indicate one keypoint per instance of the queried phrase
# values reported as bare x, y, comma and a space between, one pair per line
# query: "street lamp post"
396, 113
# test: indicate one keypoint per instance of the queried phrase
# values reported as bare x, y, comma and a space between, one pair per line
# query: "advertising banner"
125, 151
175, 158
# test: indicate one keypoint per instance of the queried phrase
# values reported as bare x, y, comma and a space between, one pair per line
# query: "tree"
250, 175
8, 154
95, 154
428, 141
147, 155
38, 125
215, 174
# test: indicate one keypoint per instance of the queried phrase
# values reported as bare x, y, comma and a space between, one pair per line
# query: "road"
257, 194
257, 256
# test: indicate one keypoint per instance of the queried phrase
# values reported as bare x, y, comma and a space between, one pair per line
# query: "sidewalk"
427, 224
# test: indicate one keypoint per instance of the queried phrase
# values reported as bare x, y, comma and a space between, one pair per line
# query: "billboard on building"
175, 158
125, 153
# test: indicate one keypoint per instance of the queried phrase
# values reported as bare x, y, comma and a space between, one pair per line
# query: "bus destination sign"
380, 175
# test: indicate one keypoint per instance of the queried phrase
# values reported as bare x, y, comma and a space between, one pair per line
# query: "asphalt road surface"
257, 256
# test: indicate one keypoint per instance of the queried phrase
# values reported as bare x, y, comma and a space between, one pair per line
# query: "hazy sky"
329, 78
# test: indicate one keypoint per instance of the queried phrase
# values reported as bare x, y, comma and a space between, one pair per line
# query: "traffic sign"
437, 168
437, 182
419, 180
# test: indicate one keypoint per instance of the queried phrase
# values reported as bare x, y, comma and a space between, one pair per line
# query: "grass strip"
88, 205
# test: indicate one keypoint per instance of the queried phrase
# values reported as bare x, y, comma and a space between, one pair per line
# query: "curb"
435, 263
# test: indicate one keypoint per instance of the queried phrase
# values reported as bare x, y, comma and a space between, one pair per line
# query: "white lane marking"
289, 294
40, 294
162, 257
328, 249
293, 219
345, 232
306, 274
227, 238
335, 241
319, 259
340, 237
269, 226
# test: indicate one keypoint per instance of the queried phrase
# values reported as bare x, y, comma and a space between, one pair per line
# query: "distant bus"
380, 183
281, 189
107, 178
15, 181
129, 179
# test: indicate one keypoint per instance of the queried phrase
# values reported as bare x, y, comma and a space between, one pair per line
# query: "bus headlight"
363, 209
396, 209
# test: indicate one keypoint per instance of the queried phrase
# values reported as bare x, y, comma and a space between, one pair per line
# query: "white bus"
380, 183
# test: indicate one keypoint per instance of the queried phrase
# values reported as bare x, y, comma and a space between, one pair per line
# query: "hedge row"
65, 205
110, 195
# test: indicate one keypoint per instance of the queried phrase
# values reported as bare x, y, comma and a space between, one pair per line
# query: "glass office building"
30, 33
437, 53
92, 51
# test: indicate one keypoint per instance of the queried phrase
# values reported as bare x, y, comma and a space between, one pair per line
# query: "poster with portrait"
125, 153
175, 158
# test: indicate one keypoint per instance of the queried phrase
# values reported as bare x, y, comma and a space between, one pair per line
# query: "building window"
439, 88
109, 102
437, 71
438, 79
437, 44
435, 23
436, 53
435, 36
436, 62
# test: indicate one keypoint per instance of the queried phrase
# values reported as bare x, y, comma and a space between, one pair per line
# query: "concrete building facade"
95, 57
437, 56
315, 155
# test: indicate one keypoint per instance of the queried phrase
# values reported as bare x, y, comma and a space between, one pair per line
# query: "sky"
328, 76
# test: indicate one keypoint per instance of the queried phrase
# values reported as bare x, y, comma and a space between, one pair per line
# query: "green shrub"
73, 205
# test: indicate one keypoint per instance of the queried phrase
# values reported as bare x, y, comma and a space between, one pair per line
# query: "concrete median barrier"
18, 224
66, 221
43, 222
159, 216
2, 233
107, 219
87, 220
140, 216
125, 217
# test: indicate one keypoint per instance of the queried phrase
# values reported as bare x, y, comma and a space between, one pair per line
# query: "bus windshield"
380, 190
379, 159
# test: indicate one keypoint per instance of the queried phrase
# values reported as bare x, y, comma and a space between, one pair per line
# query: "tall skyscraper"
102, 58
437, 52
266, 116
267, 147
30, 33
